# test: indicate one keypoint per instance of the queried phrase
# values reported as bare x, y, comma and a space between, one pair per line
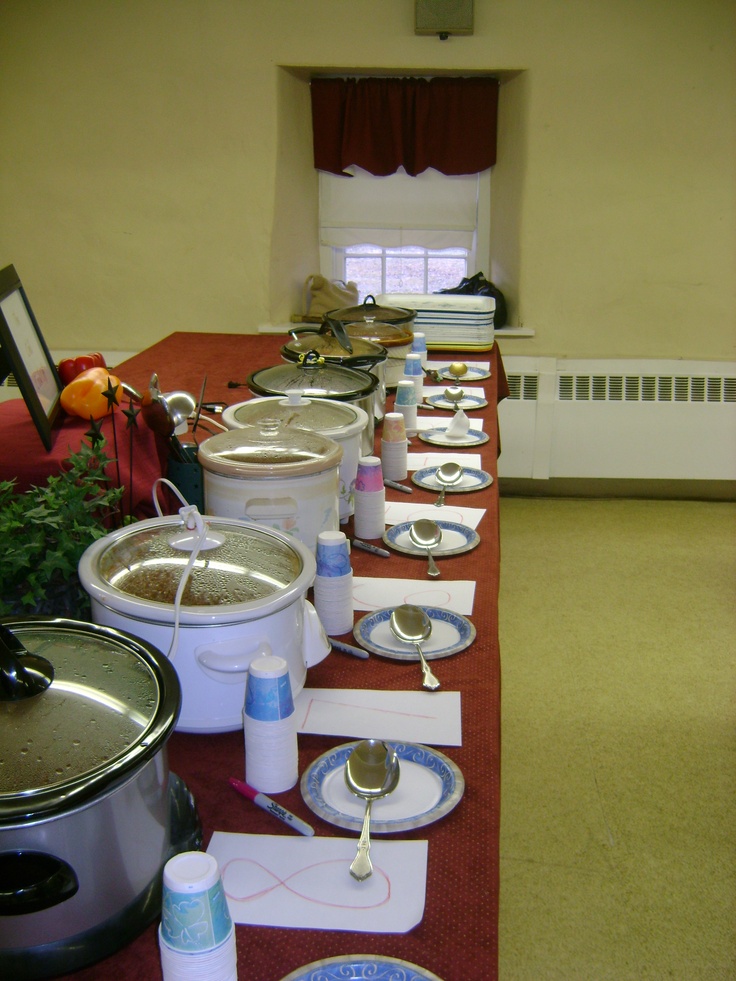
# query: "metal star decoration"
111, 394
131, 414
94, 433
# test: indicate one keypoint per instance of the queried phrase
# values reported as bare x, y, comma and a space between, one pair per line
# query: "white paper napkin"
370, 593
284, 881
433, 718
400, 511
434, 458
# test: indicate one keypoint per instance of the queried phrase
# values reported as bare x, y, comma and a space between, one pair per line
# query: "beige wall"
156, 163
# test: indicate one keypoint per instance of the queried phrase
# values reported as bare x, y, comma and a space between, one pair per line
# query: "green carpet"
618, 776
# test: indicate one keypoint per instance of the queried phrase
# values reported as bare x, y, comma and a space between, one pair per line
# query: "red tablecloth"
457, 938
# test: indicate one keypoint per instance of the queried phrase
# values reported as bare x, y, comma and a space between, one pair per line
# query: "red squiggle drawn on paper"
278, 883
385, 711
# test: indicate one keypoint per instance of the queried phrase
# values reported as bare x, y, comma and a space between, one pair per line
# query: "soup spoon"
426, 534
412, 625
446, 476
458, 368
371, 772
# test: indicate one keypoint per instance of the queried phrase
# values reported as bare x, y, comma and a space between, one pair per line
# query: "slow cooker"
275, 474
315, 378
344, 422
89, 811
212, 593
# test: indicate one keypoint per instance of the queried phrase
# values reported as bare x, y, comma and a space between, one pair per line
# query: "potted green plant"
46, 529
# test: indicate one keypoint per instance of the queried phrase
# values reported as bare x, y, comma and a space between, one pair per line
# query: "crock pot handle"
316, 645
33, 881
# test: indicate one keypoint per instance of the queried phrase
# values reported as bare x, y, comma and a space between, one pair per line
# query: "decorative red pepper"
83, 396
69, 368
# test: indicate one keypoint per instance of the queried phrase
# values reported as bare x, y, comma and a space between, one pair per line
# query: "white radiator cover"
622, 419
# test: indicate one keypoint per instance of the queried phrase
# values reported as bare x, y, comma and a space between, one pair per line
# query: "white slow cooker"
276, 475
244, 594
344, 422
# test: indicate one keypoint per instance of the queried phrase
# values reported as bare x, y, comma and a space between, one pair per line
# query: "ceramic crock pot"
89, 811
274, 474
316, 379
245, 594
365, 354
342, 421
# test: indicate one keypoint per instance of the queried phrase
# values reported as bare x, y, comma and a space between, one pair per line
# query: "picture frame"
23, 352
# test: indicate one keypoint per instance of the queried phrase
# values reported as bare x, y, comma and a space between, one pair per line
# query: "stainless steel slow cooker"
364, 353
244, 594
89, 811
314, 378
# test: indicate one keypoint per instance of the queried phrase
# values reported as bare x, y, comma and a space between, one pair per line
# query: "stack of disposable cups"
406, 403
414, 372
394, 446
196, 937
333, 584
419, 346
369, 520
269, 726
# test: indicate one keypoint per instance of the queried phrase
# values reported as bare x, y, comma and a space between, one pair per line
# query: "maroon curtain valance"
381, 124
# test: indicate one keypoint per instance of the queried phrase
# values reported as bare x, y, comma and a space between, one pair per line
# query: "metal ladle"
412, 625
371, 772
446, 476
426, 534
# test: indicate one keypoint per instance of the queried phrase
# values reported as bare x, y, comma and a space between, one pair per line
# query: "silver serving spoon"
446, 476
426, 534
371, 772
412, 625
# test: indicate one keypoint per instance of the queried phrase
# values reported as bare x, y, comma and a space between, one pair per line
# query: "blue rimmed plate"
472, 374
357, 967
430, 786
451, 633
456, 539
439, 437
472, 480
466, 402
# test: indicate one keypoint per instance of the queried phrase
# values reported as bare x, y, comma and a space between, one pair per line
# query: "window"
401, 234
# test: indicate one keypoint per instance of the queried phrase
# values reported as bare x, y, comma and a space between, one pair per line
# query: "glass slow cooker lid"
321, 415
235, 566
111, 703
318, 381
388, 335
328, 346
269, 449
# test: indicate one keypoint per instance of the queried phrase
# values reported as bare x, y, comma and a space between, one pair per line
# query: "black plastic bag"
478, 285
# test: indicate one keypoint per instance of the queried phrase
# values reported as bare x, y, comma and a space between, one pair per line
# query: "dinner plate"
356, 967
471, 375
471, 480
466, 402
439, 437
451, 633
430, 786
456, 539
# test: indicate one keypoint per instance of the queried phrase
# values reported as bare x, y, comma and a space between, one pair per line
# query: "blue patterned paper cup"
194, 911
333, 554
268, 696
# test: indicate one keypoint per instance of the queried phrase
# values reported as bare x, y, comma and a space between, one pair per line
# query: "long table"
457, 937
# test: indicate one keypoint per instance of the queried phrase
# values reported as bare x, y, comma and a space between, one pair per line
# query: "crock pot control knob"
22, 674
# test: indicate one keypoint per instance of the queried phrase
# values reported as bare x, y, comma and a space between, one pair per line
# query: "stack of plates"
449, 320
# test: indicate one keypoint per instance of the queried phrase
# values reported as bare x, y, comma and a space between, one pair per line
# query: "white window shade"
431, 210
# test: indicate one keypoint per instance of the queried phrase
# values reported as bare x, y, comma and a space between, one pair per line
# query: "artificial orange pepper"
83, 396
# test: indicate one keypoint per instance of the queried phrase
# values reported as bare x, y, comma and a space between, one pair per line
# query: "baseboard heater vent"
664, 420
646, 388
